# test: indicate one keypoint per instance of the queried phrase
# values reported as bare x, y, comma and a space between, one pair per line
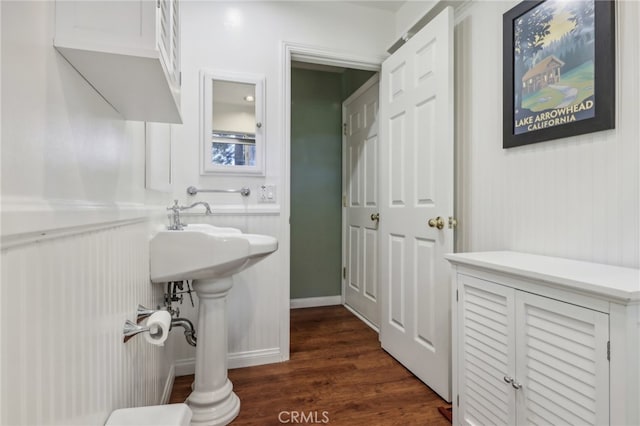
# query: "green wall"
316, 173
352, 80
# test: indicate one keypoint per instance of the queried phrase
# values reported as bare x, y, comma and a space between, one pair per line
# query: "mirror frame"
206, 111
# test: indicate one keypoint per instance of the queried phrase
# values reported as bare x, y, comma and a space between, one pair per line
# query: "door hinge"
344, 129
180, 79
344, 272
609, 350
158, 4
344, 201
457, 295
458, 401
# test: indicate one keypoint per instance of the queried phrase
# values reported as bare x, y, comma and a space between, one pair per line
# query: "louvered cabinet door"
169, 37
486, 339
561, 362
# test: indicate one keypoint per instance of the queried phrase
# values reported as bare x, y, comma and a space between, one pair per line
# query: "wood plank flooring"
337, 372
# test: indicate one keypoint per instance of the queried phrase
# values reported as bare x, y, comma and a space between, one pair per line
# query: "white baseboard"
363, 319
187, 366
312, 302
168, 386
252, 358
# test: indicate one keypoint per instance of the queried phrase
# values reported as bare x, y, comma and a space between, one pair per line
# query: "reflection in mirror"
232, 123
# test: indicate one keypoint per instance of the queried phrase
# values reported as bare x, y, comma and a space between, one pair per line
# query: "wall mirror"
232, 123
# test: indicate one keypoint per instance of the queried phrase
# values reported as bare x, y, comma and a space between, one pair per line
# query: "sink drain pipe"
189, 330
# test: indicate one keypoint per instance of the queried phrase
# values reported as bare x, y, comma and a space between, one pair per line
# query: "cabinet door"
107, 26
169, 37
561, 360
486, 339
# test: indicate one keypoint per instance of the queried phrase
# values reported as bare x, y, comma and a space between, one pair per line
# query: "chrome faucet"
175, 224
207, 207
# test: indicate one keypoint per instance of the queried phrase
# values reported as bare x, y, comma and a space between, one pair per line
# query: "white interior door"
360, 171
416, 184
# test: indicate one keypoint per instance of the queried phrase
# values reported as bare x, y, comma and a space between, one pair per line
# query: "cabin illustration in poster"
554, 65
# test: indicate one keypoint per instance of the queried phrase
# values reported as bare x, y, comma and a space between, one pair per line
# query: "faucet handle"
175, 205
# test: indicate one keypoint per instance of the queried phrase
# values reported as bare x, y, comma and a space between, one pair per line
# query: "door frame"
314, 55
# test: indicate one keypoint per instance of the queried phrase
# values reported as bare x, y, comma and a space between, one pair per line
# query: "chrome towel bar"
245, 192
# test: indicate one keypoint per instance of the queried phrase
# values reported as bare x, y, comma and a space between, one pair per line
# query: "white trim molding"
168, 386
207, 77
363, 319
323, 56
316, 55
238, 210
312, 302
184, 367
27, 220
187, 366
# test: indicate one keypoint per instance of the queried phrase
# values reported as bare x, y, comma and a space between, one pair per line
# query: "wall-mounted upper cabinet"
129, 51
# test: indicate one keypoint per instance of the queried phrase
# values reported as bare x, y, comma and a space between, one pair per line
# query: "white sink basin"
204, 251
205, 227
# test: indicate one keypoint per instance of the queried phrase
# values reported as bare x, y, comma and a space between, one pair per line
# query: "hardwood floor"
337, 374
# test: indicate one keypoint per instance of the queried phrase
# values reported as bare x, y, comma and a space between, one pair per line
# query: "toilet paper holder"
131, 329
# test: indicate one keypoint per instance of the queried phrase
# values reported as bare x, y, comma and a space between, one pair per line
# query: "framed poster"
558, 70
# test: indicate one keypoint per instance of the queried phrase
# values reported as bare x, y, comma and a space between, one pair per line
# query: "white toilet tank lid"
154, 415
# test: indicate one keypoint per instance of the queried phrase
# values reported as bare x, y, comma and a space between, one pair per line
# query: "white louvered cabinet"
561, 363
128, 50
532, 337
487, 337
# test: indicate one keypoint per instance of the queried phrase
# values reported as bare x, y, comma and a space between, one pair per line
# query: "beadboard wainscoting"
576, 197
255, 303
63, 304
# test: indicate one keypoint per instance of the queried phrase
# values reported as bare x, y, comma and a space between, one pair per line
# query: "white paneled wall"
576, 197
254, 302
64, 302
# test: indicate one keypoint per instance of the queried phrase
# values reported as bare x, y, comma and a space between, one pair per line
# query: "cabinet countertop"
614, 282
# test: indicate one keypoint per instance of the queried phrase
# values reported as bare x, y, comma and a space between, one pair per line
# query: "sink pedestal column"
212, 401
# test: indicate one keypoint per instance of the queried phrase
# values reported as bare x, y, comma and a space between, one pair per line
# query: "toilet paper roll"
159, 324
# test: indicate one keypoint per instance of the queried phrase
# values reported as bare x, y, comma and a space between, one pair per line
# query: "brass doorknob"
438, 222
375, 216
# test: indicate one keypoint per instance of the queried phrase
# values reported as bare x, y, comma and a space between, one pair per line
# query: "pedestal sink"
209, 256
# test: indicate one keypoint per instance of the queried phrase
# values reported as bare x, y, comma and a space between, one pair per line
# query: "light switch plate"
267, 194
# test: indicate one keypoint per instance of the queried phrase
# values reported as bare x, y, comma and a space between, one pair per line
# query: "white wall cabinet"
129, 51
532, 338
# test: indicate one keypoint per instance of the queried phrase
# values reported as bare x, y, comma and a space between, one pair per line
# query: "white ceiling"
390, 5
232, 92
